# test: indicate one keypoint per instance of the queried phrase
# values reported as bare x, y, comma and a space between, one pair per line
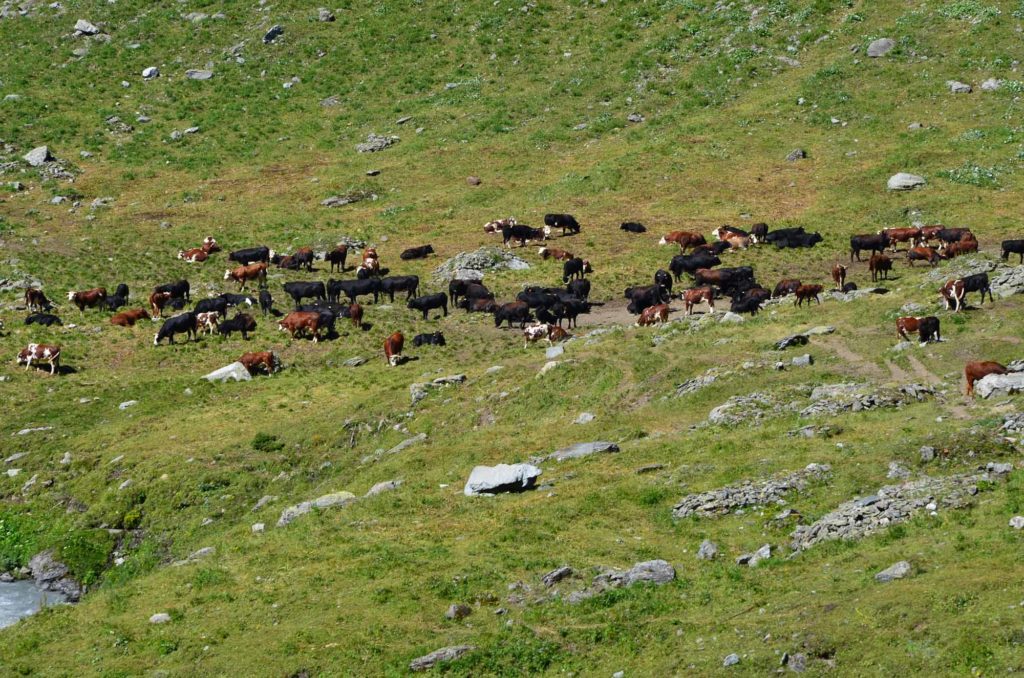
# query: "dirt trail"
839, 347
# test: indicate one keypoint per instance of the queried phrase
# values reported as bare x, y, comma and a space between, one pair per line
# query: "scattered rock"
326, 501
198, 74
927, 453
473, 180
38, 156
553, 352
445, 654
348, 198
263, 501
325, 15
557, 575
386, 486
730, 317
796, 154
753, 559
458, 611
792, 340
695, 384
160, 618
233, 372
273, 34
957, 87
418, 391
708, 550
744, 408
150, 72
772, 491
375, 143
802, 360
904, 181
731, 660
501, 478
331, 101
406, 444
196, 556
797, 663
897, 471
635, 117
991, 85
584, 418
354, 362
1000, 385
258, 528
649, 468
915, 126
880, 47
896, 571
1017, 522
52, 575
83, 27
126, 404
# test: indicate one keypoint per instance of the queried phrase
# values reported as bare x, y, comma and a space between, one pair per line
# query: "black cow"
1014, 246
516, 311
928, 329
175, 303
435, 339
575, 268
798, 240
850, 287
632, 227
874, 243
683, 263
759, 232
522, 233
177, 290
645, 297
242, 322
457, 287
416, 253
301, 290
428, 302
400, 283
44, 319
978, 283
353, 289
566, 222
179, 324
118, 299
663, 278
251, 255
534, 297
746, 305
568, 309
782, 233
951, 235
337, 258
579, 288
266, 302
217, 304
714, 249
238, 299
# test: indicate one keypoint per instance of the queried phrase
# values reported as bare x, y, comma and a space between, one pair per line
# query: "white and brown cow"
206, 322
535, 332
41, 353
194, 256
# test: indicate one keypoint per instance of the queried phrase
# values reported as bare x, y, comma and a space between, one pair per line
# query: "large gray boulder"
83, 27
233, 372
904, 181
38, 156
483, 259
897, 571
1000, 385
53, 575
880, 47
198, 74
501, 478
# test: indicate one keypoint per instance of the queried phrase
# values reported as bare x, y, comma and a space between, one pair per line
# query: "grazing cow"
581, 288
303, 258
355, 314
682, 263
879, 265
1014, 246
416, 253
337, 258
457, 287
685, 239
749, 305
569, 309
555, 253
210, 244
575, 268
478, 305
410, 284
929, 233
393, 348
912, 236
759, 232
206, 322
516, 311
953, 293
496, 225
243, 274
535, 332
428, 302
728, 232
242, 322
186, 323
523, 233
297, 322
961, 247
873, 243
353, 289
44, 319
973, 371
88, 298
632, 227
129, 318
978, 283
839, 275
566, 222
35, 300
806, 293
928, 329
645, 297
266, 302
928, 254
256, 362
301, 290
251, 255
472, 290
535, 297
948, 236
731, 281
215, 305
41, 353
287, 262
798, 240
178, 290
739, 243
653, 315
786, 286
157, 301
196, 255
118, 299
905, 325
694, 296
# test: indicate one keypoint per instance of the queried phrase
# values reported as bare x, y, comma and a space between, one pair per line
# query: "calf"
428, 302
663, 278
575, 268
337, 258
556, 333
410, 284
928, 254
632, 227
88, 298
879, 265
44, 319
178, 290
566, 222
928, 329
839, 275
498, 224
728, 232
555, 253
1008, 246
973, 371
653, 315
355, 314
41, 353
874, 243
119, 298
251, 255
129, 318
157, 301
353, 289
478, 305
569, 309
907, 324
242, 322
35, 300
953, 293
196, 255
301, 290
206, 322
256, 362
523, 233
534, 332
416, 253
370, 268
749, 305
786, 286
297, 323
516, 311
806, 293
434, 339
186, 323
393, 348
694, 296
237, 299
978, 283
303, 258
685, 239
210, 245
215, 305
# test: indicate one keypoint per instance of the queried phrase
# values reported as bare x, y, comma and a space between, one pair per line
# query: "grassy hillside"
534, 99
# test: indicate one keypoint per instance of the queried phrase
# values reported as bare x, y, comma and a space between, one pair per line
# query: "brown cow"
786, 286
806, 293
129, 318
337, 257
685, 239
928, 254
906, 324
194, 256
907, 235
879, 265
370, 253
839, 275
496, 225
965, 246
393, 348
653, 315
243, 274
973, 371
157, 301
953, 293
554, 253
35, 300
48, 353
297, 322
88, 298
210, 245
256, 362
738, 242
695, 296
355, 312
931, 232
556, 333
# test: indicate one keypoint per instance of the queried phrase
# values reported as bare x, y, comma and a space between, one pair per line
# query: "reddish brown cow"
786, 286
370, 253
297, 323
839, 275
337, 257
907, 235
653, 315
928, 254
129, 318
963, 247
685, 239
244, 274
256, 362
806, 293
931, 232
48, 353
369, 268
973, 371
556, 333
355, 312
157, 301
906, 324
953, 293
210, 245
35, 300
695, 296
393, 348
554, 253
738, 242
88, 298
879, 265
194, 256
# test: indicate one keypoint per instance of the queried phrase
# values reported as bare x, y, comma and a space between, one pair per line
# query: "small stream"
23, 598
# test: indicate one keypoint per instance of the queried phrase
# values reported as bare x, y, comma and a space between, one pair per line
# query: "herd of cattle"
539, 312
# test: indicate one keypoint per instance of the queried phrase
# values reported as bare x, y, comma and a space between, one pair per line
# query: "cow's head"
272, 254
71, 296
227, 275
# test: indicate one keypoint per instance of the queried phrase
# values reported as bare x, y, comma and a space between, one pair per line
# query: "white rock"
991, 85
880, 47
160, 618
553, 352
896, 571
198, 74
730, 317
257, 528
584, 418
86, 28
501, 478
126, 404
1000, 385
1017, 522
151, 72
548, 366
957, 87
38, 156
904, 181
232, 372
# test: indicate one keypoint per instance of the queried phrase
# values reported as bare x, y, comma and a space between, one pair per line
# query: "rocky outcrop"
326, 501
444, 655
53, 575
420, 390
836, 399
1000, 385
655, 572
375, 143
501, 478
232, 372
772, 491
483, 259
